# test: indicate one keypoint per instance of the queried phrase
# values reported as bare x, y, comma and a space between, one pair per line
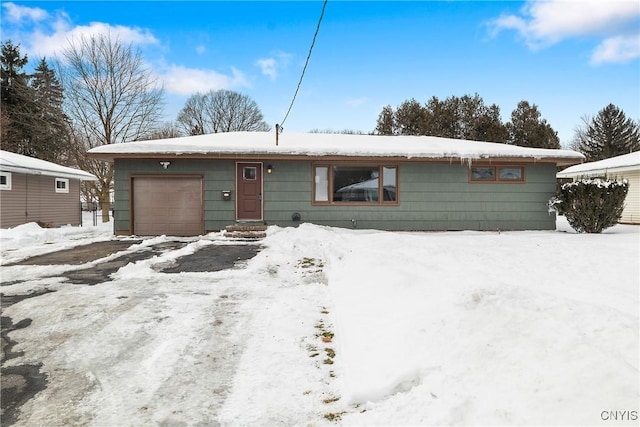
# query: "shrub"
591, 204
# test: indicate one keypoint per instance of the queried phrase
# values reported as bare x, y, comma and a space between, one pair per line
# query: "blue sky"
569, 57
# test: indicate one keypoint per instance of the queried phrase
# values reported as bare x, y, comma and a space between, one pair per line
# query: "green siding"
432, 196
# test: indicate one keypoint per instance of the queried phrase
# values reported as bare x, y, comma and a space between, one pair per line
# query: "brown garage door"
167, 205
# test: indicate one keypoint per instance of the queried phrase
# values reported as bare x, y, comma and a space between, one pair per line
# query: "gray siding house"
34, 190
198, 184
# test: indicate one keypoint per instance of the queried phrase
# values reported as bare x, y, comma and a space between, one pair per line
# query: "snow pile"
330, 326
30, 239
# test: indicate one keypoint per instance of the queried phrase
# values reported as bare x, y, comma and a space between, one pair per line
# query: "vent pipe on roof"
278, 130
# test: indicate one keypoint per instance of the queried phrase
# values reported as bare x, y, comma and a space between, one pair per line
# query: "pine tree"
466, 117
49, 129
477, 121
386, 124
528, 129
410, 118
16, 99
607, 135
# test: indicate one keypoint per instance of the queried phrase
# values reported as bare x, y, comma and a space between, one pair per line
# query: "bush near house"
591, 204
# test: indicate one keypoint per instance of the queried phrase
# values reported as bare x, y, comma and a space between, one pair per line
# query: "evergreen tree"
49, 134
386, 124
528, 129
607, 135
410, 118
477, 121
16, 99
463, 118
442, 117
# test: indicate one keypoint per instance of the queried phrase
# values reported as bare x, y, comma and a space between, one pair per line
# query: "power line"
313, 42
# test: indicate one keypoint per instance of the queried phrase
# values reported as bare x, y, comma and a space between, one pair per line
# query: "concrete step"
246, 231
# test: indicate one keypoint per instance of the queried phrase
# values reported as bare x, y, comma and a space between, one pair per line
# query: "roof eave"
58, 174
111, 157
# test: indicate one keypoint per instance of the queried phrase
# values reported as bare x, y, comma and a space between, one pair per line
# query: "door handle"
260, 196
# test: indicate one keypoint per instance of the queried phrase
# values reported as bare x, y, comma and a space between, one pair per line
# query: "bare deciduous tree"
221, 111
166, 130
111, 98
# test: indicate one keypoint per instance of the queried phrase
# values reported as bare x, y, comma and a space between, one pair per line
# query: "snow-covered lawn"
330, 326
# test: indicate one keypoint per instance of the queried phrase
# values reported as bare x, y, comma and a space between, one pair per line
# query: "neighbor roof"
623, 163
263, 145
12, 162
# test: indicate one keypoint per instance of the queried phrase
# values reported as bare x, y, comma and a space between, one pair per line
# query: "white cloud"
543, 23
49, 42
616, 49
272, 66
187, 81
17, 14
268, 67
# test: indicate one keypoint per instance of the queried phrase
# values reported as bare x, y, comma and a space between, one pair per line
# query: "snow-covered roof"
623, 163
12, 162
322, 145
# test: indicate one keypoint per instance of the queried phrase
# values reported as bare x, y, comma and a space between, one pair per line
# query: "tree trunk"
106, 210
104, 200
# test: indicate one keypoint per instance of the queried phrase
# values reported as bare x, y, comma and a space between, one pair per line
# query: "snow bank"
330, 326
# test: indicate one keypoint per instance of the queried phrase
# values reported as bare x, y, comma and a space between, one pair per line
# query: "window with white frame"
62, 185
5, 180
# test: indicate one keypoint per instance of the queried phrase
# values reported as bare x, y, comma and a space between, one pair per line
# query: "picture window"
350, 184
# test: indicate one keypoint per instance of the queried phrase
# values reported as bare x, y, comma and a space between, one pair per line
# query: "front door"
249, 191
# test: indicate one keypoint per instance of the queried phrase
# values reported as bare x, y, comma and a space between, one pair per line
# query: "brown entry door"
249, 191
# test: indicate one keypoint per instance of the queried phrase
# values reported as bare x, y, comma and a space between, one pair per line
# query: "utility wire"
313, 42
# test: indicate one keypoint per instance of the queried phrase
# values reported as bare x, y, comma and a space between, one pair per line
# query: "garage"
170, 205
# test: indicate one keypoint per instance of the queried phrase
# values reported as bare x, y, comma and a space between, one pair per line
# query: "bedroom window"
355, 184
62, 185
498, 174
5, 180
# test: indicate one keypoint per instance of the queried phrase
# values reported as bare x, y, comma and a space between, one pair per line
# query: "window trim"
64, 189
331, 164
6, 186
496, 174
247, 168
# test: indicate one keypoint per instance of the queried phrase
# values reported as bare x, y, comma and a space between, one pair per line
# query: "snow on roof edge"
622, 163
13, 162
301, 144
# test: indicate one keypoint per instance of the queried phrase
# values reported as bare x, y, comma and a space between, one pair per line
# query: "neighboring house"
34, 190
626, 167
197, 184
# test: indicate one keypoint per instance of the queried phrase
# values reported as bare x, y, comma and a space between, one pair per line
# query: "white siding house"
626, 167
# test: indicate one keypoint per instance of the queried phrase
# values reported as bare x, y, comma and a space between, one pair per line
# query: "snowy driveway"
147, 344
329, 326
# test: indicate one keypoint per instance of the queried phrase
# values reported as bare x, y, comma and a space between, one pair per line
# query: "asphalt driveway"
21, 382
